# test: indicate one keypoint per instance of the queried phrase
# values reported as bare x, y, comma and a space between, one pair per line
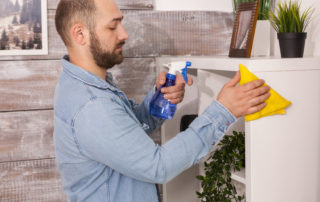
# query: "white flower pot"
261, 41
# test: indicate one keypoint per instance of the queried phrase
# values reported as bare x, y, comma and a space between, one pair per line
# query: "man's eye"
112, 28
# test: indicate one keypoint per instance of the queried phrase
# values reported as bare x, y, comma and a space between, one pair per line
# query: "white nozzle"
175, 67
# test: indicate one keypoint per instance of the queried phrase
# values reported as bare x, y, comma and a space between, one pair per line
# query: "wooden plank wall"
27, 160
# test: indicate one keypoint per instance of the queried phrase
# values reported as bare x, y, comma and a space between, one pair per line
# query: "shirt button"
227, 123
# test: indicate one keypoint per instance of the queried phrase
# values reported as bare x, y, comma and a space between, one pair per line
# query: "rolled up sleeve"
106, 133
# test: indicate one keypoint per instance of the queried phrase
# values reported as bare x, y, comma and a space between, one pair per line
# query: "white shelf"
239, 176
254, 64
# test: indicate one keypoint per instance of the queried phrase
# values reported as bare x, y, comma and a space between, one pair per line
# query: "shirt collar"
87, 77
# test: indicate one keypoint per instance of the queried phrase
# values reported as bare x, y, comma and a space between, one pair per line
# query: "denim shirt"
103, 150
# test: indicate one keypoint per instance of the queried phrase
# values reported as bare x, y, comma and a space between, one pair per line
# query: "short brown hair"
73, 11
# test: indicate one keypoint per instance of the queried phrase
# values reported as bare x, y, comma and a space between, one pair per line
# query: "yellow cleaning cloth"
276, 104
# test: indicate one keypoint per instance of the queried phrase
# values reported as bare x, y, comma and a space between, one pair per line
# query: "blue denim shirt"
103, 150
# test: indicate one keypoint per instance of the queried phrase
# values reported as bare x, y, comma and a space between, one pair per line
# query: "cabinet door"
283, 151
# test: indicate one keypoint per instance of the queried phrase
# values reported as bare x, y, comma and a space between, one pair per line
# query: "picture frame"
23, 28
244, 29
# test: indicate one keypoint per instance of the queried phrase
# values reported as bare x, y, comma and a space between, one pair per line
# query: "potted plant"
262, 37
290, 24
228, 157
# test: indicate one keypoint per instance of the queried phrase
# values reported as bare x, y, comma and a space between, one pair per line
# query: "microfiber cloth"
276, 104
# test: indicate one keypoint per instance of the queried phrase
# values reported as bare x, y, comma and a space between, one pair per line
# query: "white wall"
208, 5
313, 39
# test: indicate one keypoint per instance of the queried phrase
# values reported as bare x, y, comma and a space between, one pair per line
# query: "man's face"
102, 57
109, 36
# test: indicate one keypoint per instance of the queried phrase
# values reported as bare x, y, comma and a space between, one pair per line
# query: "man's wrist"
217, 112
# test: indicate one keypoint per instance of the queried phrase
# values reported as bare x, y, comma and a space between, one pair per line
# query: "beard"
102, 58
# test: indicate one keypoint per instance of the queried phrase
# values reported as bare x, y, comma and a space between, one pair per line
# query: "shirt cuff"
221, 117
218, 113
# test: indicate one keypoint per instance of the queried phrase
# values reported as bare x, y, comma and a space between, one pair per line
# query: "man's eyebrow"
117, 19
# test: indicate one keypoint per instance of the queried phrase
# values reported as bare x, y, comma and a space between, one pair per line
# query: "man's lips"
119, 46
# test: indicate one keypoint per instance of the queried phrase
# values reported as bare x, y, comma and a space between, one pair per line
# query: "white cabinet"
282, 151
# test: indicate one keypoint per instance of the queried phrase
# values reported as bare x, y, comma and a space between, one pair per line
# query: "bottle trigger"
184, 74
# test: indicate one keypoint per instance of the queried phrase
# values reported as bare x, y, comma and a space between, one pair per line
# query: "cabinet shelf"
254, 64
239, 176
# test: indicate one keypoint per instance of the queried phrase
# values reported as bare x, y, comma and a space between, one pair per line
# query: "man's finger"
252, 85
258, 91
258, 100
234, 80
180, 79
171, 96
256, 108
190, 81
172, 89
161, 80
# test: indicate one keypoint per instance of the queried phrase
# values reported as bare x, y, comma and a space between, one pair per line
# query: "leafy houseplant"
290, 24
229, 157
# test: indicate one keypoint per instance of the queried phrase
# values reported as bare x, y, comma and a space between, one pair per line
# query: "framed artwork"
23, 27
243, 29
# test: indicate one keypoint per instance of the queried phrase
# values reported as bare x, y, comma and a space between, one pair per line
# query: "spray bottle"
160, 107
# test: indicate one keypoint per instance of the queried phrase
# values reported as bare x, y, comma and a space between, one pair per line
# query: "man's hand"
245, 99
173, 93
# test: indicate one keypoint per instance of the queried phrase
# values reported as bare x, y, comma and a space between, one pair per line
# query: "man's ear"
79, 34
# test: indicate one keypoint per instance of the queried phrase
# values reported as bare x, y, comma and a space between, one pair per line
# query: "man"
101, 138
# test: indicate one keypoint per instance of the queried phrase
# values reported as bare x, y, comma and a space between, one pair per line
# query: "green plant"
228, 157
288, 18
265, 7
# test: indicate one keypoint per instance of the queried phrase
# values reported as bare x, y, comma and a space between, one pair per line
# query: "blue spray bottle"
160, 107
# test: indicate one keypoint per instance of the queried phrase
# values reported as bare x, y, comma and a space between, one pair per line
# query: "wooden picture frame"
244, 29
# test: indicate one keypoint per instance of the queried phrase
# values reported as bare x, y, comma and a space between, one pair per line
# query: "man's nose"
123, 35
